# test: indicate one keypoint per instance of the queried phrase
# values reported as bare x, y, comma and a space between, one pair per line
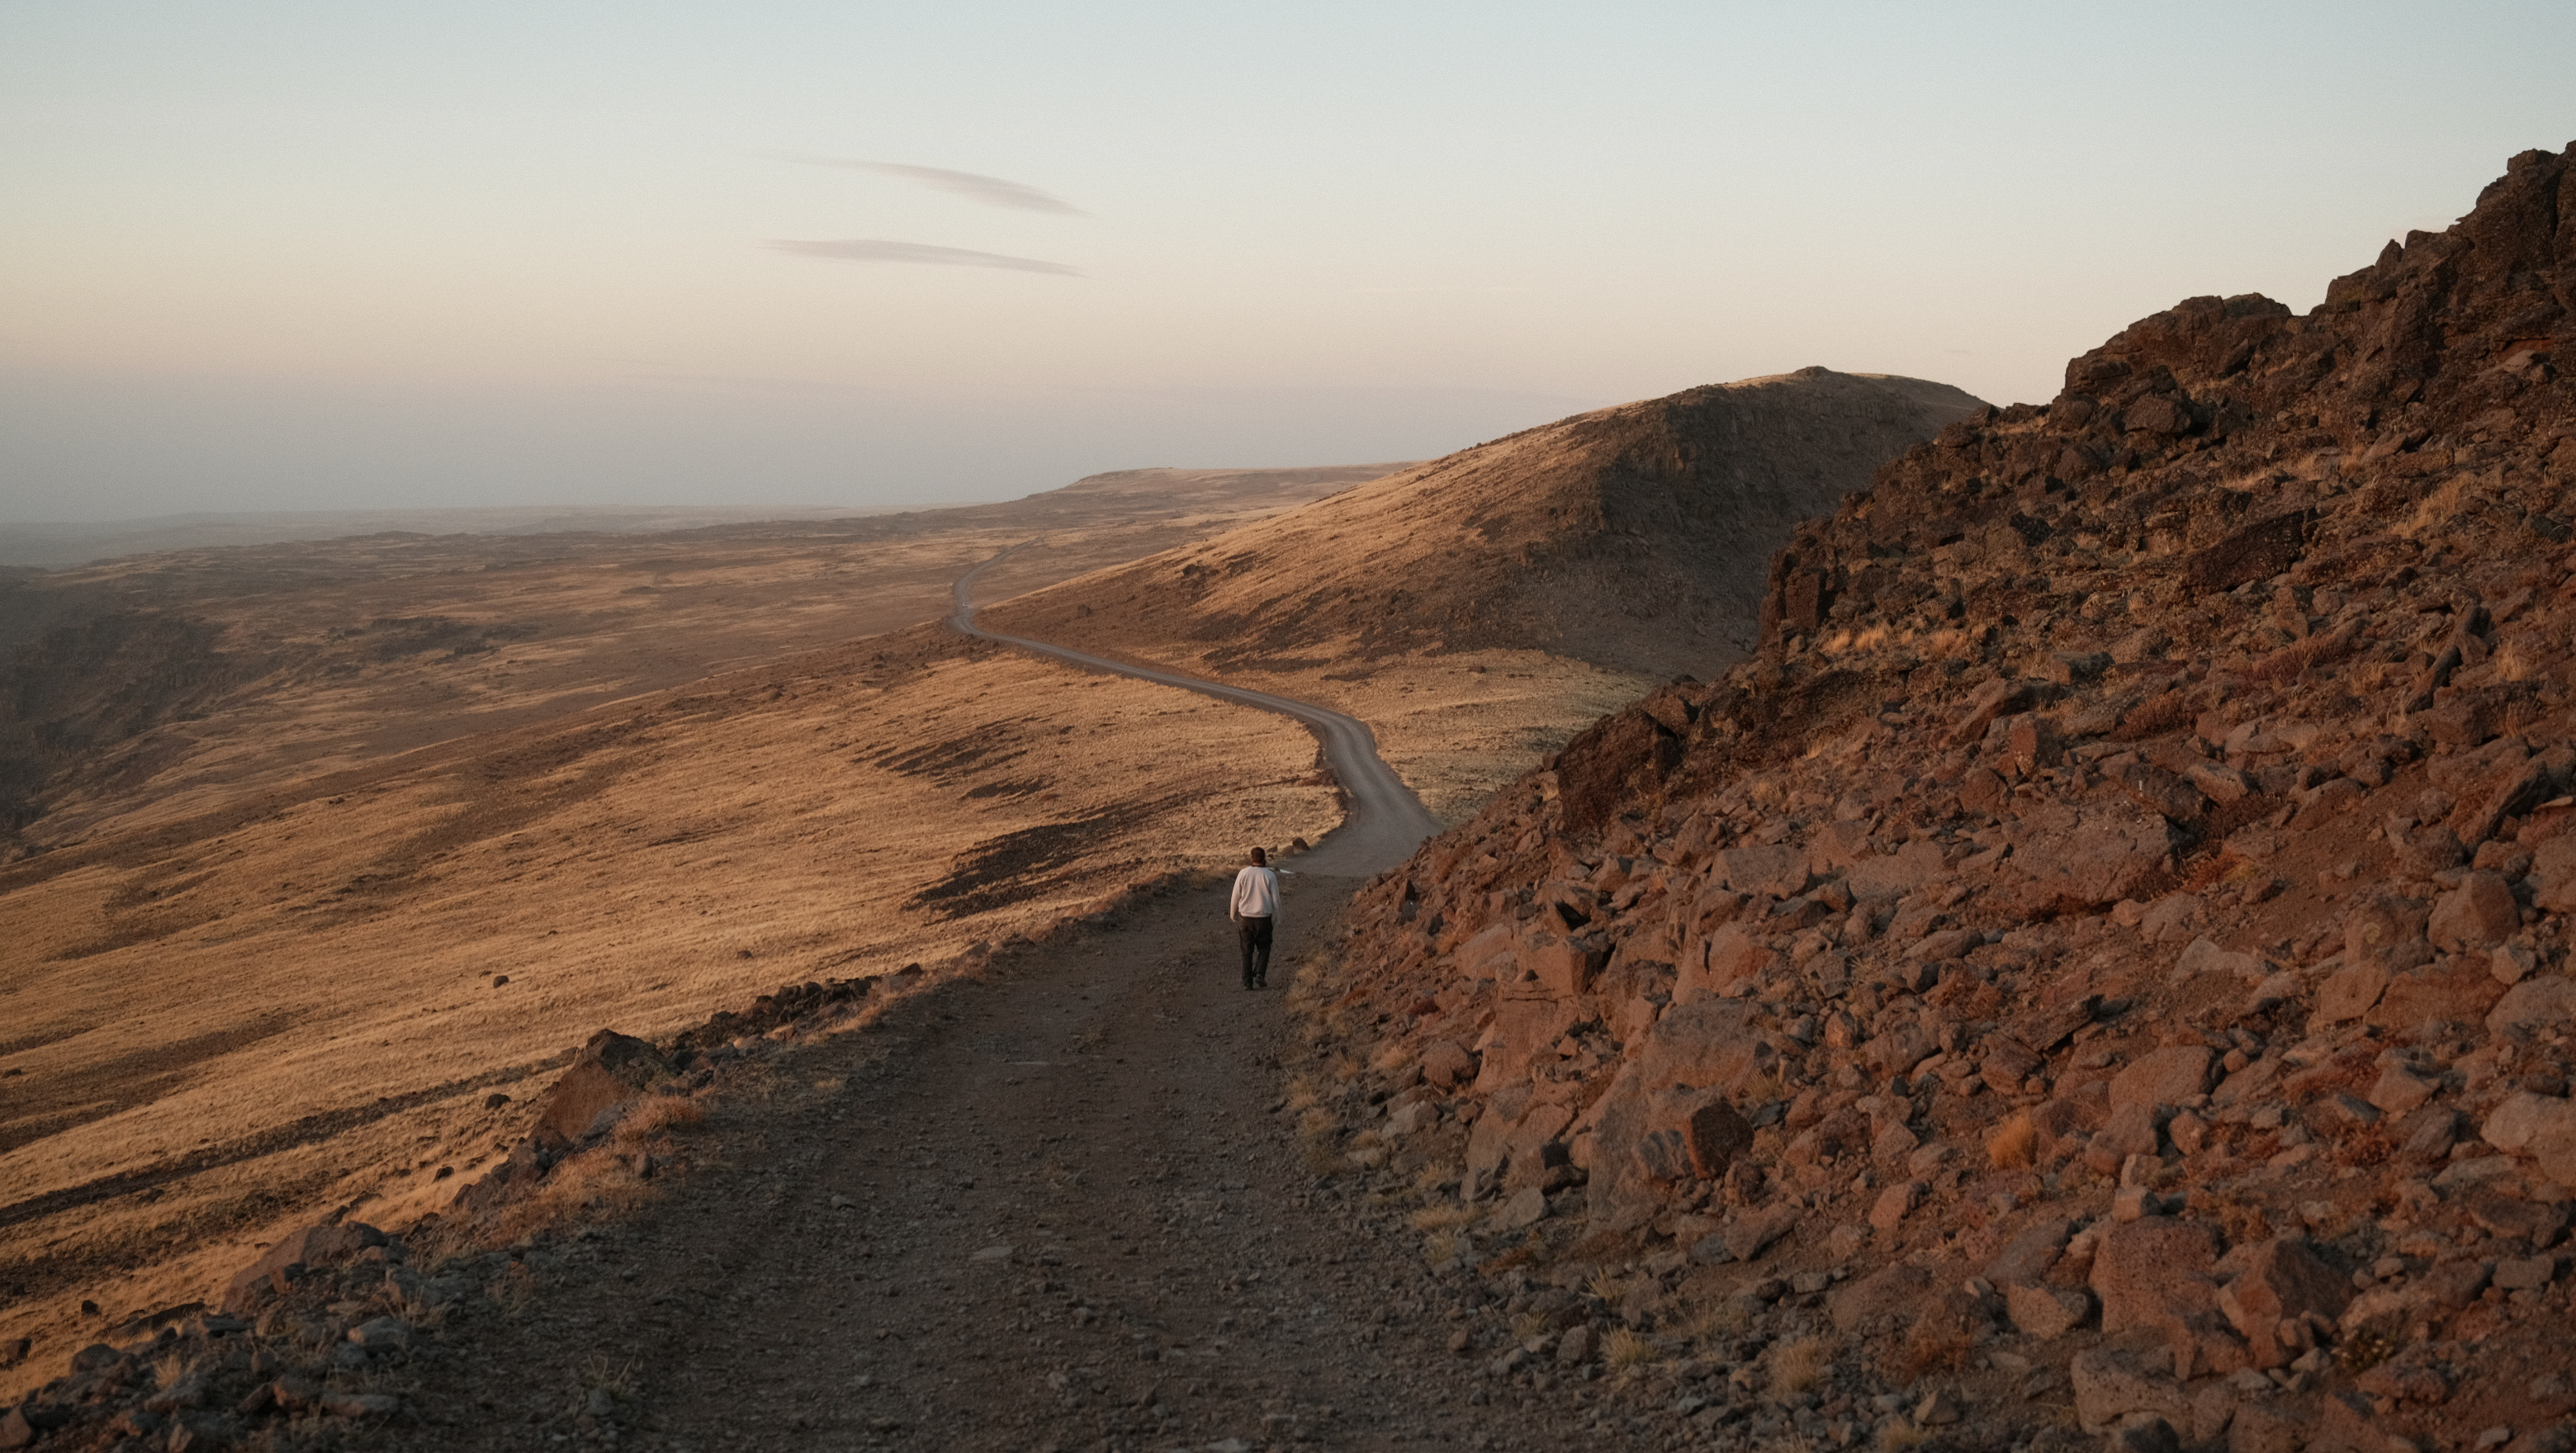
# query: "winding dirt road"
1063, 1203
1385, 821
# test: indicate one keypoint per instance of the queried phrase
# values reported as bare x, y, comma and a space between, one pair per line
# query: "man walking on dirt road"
1255, 909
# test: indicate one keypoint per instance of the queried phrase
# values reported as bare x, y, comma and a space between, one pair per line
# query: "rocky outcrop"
2112, 938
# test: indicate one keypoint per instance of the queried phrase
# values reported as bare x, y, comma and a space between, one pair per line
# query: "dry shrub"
1443, 1246
1800, 1366
2015, 1143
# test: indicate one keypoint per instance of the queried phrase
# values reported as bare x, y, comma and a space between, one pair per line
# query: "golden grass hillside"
218, 1025
161, 686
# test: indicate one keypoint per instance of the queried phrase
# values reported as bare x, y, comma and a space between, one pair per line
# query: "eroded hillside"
2106, 961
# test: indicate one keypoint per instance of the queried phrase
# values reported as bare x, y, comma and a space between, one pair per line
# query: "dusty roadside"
1063, 1205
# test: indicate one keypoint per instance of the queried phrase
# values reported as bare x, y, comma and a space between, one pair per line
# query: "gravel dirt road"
1062, 1205
1386, 821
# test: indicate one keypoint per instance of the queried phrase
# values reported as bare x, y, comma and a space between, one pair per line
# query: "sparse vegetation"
1800, 1366
1627, 1350
2014, 1145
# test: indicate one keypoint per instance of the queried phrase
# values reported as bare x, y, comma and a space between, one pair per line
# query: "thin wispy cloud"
973, 186
871, 249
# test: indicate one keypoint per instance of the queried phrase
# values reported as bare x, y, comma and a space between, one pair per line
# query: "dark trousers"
1255, 933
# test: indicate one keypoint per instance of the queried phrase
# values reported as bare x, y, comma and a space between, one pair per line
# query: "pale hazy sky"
340, 255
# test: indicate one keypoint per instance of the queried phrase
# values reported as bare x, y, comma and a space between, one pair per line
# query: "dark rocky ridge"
2104, 963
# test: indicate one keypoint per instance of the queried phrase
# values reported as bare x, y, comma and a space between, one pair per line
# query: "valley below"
410, 818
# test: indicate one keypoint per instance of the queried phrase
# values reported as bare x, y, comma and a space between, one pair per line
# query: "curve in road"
1385, 822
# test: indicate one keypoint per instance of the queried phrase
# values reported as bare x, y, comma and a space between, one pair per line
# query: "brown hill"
1631, 537
1479, 610
2106, 960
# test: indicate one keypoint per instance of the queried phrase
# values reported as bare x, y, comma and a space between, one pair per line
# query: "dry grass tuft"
513, 1290
418, 1311
1720, 1319
1800, 1366
1628, 1351
658, 1115
175, 1363
2436, 509
1610, 1287
1898, 1435
1443, 1246
1443, 1217
617, 1379
2014, 1145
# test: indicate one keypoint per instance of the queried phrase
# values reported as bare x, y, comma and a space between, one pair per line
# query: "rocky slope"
1631, 537
2104, 964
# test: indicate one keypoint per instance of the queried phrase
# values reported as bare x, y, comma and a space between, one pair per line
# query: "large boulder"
2285, 1282
612, 1072
323, 1244
2479, 914
2092, 855
2153, 1275
2539, 1127
2162, 1077
2534, 1004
